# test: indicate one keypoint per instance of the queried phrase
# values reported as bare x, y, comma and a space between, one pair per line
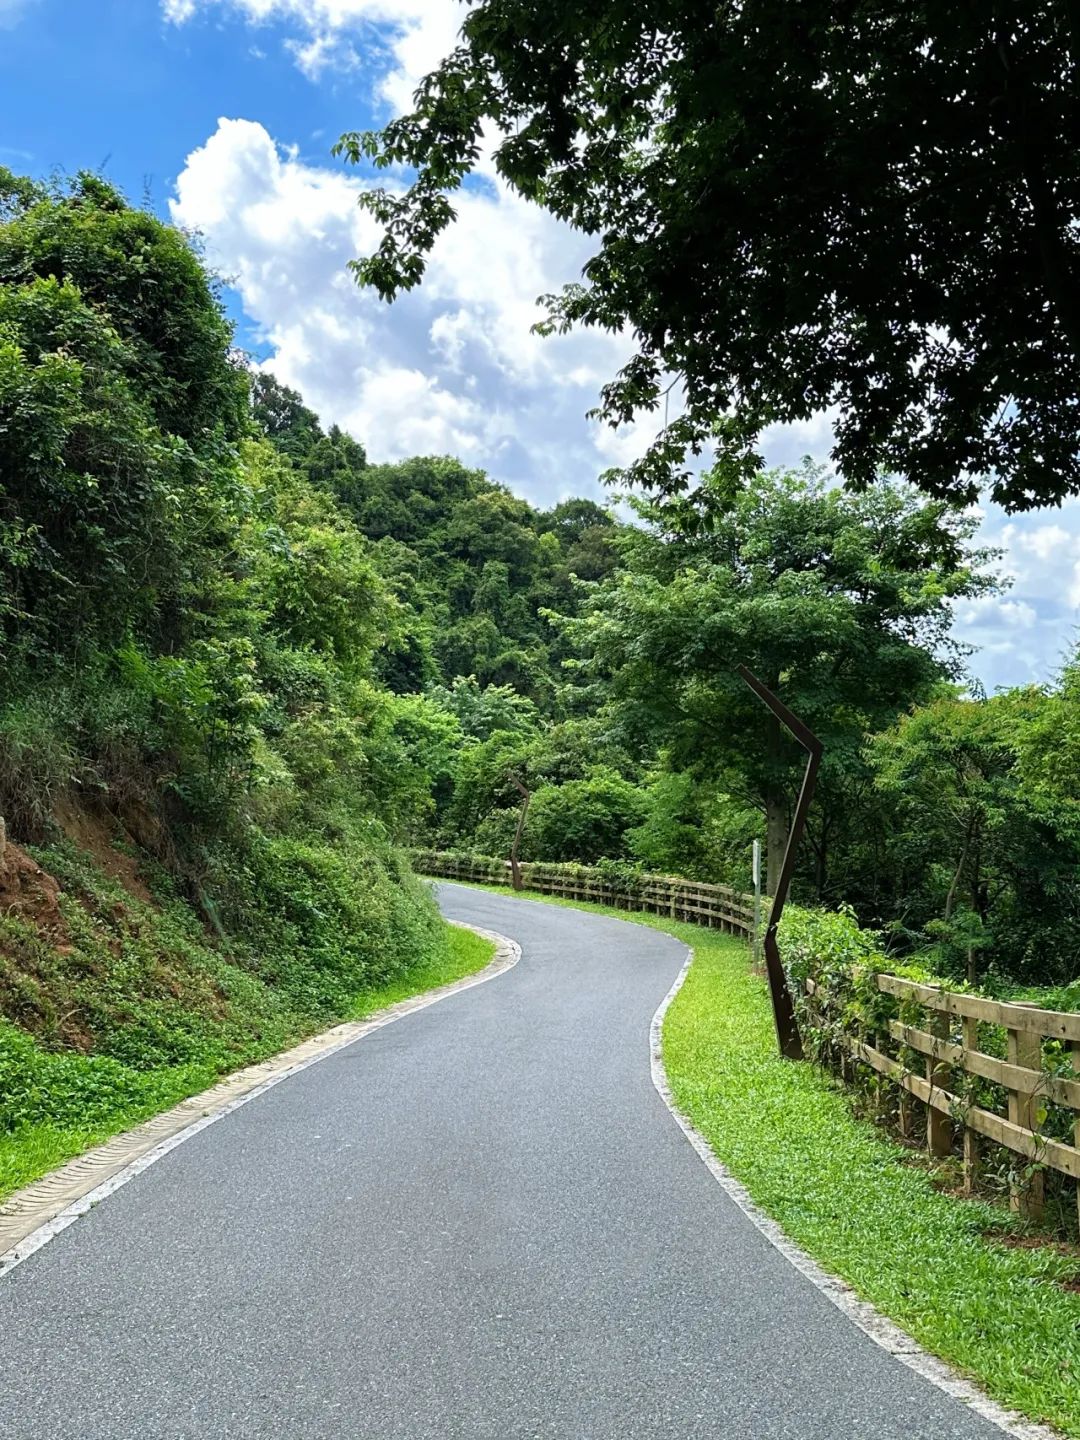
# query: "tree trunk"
515, 867
776, 833
950, 899
822, 862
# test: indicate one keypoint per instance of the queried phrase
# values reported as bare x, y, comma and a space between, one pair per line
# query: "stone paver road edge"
33, 1216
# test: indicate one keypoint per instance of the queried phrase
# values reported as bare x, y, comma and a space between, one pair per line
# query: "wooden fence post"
1025, 1048
938, 1124
971, 1140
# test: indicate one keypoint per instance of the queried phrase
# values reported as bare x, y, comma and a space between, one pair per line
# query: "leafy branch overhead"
866, 209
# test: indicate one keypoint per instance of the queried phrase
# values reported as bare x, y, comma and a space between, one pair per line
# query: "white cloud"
451, 367
993, 612
322, 52
1044, 541
786, 445
1024, 636
418, 33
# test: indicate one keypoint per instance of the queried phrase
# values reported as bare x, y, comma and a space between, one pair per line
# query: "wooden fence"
717, 906
939, 1051
944, 1061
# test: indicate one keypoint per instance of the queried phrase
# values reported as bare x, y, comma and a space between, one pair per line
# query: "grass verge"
89, 1098
851, 1198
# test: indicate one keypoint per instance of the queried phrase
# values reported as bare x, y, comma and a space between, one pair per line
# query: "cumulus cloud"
416, 34
451, 367
1024, 636
1020, 637
787, 445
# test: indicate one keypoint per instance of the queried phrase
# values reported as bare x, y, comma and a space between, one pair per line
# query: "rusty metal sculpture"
787, 1027
515, 868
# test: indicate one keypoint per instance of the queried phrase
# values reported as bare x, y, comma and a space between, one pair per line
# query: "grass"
852, 1199
468, 953
73, 1101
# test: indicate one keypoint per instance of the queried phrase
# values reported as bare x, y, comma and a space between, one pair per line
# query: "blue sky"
222, 113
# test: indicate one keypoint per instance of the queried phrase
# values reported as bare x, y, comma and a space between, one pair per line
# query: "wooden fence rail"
717, 906
942, 1059
939, 1052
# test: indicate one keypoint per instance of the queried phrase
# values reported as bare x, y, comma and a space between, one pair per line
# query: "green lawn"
72, 1086
851, 1199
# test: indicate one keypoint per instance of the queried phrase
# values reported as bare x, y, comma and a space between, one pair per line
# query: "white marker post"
757, 901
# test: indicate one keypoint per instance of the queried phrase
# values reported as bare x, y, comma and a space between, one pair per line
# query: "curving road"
479, 1222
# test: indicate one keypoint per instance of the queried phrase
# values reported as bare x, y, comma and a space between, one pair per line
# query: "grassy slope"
849, 1197
171, 1016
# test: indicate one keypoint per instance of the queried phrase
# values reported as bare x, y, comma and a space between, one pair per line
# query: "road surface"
478, 1223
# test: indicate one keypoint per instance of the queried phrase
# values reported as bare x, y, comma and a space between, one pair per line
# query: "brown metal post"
787, 1027
515, 868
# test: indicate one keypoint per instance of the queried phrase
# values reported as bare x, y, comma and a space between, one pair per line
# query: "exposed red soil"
95, 833
30, 894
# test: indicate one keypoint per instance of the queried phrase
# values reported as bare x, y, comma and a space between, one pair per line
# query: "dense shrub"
583, 820
328, 924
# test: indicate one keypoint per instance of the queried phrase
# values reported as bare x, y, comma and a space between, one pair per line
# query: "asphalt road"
479, 1222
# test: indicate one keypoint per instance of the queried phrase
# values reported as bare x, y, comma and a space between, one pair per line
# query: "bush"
495, 834
327, 924
583, 820
78, 1091
37, 760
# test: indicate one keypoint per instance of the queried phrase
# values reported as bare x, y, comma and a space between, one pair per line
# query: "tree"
987, 860
281, 415
315, 568
483, 710
145, 277
873, 208
840, 603
119, 409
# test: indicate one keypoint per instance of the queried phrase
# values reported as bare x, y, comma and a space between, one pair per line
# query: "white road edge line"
882, 1331
507, 955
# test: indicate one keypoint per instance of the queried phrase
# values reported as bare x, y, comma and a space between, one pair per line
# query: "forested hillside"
245, 665
197, 749
594, 661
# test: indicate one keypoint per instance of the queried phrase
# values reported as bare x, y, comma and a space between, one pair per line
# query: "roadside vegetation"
136, 1009
203, 777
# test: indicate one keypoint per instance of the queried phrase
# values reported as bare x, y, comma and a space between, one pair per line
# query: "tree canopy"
841, 603
870, 209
